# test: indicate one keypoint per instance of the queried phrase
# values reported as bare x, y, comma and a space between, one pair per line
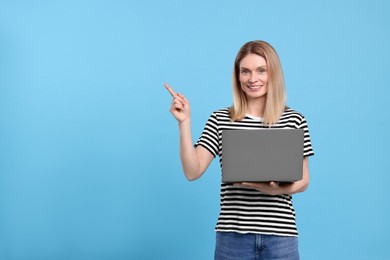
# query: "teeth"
254, 87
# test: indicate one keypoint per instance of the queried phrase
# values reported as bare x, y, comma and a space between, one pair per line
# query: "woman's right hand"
180, 107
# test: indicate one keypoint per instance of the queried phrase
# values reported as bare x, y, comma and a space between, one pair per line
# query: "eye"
261, 70
244, 71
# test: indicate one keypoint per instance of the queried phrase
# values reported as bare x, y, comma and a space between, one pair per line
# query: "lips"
254, 87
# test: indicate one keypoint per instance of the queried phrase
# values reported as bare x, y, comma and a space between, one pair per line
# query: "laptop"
262, 155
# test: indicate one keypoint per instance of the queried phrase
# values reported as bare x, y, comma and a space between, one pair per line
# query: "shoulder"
291, 113
291, 118
221, 114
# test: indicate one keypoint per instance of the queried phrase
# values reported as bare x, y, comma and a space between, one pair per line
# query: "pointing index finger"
171, 91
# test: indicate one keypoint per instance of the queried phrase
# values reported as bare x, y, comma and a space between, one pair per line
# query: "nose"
252, 78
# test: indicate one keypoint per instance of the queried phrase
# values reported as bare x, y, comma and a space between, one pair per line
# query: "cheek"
264, 79
242, 79
242, 83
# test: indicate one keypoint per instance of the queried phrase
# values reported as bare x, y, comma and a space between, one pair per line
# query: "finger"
183, 98
256, 185
177, 101
170, 90
176, 109
179, 98
177, 105
248, 184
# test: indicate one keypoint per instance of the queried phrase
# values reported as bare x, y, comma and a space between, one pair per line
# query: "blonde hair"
276, 94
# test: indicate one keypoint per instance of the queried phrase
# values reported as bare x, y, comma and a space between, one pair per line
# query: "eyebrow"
261, 67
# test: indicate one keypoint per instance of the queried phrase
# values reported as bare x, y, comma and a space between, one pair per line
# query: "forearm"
298, 186
188, 156
292, 188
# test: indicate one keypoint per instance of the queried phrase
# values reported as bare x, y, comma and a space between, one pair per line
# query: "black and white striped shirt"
246, 210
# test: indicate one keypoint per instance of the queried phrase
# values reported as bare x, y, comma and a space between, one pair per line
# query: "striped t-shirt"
246, 210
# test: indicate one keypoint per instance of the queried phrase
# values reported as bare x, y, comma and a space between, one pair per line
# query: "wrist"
185, 123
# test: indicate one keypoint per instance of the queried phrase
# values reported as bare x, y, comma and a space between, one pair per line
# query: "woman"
257, 220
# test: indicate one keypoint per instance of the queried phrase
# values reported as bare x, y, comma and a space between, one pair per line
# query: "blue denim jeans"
236, 246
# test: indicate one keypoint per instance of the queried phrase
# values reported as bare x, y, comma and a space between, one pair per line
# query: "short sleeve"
307, 147
209, 138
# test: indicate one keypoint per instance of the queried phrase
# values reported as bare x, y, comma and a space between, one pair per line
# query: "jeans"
236, 246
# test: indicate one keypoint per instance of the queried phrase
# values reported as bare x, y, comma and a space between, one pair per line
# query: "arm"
273, 188
194, 160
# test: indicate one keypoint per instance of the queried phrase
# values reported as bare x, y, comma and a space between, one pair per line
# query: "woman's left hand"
276, 188
270, 188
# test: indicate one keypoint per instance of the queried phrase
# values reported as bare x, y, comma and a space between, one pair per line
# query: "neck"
256, 107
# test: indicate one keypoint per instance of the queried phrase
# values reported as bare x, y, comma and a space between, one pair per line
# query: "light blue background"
89, 161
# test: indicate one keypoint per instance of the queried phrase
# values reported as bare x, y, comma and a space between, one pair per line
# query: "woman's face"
253, 76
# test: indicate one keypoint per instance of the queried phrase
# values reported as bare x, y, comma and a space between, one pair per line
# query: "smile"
254, 87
